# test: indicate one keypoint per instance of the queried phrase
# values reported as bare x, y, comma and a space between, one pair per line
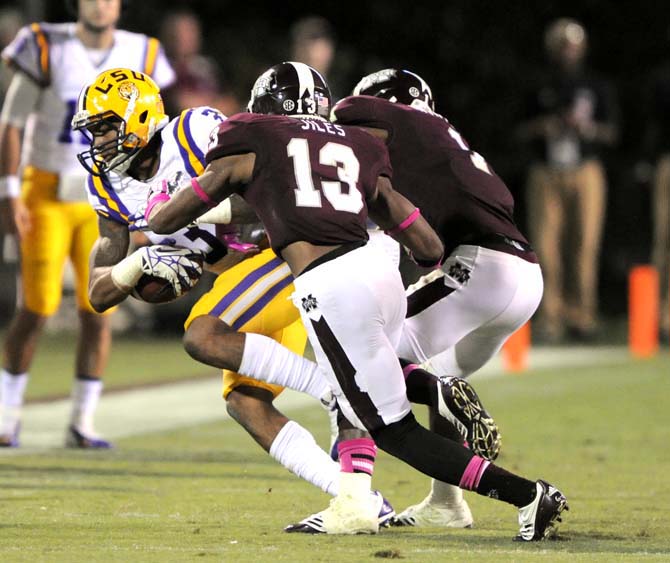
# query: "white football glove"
176, 265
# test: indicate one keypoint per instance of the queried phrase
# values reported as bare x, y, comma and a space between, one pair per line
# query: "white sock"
266, 360
85, 397
12, 388
444, 494
295, 448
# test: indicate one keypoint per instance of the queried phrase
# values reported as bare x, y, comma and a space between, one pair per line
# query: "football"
154, 289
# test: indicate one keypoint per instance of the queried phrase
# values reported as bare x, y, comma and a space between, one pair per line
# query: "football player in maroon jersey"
313, 185
490, 283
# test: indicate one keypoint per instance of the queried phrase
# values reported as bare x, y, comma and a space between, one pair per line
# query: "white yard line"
189, 403
140, 411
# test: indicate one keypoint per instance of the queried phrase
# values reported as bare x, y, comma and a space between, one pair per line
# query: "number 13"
348, 171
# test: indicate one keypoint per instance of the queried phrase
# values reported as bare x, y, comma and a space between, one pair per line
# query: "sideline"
142, 411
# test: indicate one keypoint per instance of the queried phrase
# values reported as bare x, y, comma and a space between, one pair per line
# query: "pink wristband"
158, 198
197, 188
413, 216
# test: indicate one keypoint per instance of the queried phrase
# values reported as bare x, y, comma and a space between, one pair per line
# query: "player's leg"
346, 337
546, 218
43, 254
590, 201
660, 255
501, 294
353, 330
94, 338
242, 299
19, 349
250, 403
266, 281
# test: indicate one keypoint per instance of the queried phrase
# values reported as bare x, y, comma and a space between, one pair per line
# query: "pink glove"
233, 243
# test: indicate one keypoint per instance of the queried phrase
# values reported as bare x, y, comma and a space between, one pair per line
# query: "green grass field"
209, 493
135, 361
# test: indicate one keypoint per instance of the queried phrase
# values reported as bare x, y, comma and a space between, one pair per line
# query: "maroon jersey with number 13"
311, 178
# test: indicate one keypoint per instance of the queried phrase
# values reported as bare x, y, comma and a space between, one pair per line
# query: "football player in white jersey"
45, 206
252, 292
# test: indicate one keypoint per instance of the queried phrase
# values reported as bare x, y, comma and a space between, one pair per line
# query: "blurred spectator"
11, 21
198, 77
657, 145
570, 117
313, 43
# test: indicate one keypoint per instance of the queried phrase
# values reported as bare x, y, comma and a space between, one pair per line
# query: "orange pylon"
515, 350
643, 311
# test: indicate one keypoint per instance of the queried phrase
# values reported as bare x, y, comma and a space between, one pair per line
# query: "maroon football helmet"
291, 88
401, 86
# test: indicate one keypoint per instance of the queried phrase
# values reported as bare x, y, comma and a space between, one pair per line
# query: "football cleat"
539, 520
386, 512
345, 516
459, 404
428, 515
10, 440
77, 439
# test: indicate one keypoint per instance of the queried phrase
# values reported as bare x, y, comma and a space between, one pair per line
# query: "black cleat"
459, 404
539, 520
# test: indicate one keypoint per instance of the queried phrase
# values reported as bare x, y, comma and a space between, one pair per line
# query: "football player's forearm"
109, 250
423, 242
403, 221
103, 293
10, 149
167, 214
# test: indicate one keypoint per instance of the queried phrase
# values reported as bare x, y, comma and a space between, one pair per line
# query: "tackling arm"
221, 178
399, 217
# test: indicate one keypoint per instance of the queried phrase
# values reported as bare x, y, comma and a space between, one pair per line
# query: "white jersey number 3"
332, 154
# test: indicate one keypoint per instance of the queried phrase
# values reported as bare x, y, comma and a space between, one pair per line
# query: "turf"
209, 493
135, 360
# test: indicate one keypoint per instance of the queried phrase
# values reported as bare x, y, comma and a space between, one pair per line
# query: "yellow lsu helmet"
123, 99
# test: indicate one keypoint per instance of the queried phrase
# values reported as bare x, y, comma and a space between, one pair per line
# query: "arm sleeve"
29, 52
192, 132
102, 199
204, 122
20, 100
364, 111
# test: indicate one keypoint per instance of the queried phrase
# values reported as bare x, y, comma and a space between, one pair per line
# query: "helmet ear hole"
143, 116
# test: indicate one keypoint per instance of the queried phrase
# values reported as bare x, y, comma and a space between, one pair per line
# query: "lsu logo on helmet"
127, 101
